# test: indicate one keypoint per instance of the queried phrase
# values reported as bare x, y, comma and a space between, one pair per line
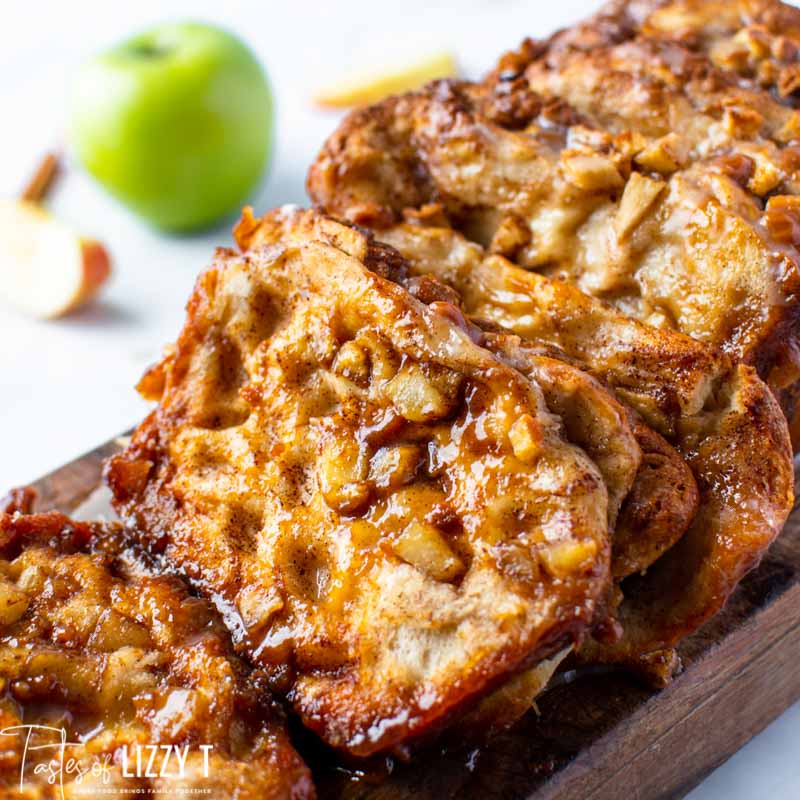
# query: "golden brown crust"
388, 515
739, 451
93, 643
657, 511
722, 419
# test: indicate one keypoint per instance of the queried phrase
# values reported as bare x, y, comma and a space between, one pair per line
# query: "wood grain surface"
596, 736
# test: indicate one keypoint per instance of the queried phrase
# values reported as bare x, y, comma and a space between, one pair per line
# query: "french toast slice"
720, 417
116, 659
389, 517
647, 513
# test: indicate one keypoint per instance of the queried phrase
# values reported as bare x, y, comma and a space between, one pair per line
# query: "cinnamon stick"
43, 179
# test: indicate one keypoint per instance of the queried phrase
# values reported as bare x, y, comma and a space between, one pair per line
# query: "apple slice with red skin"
46, 268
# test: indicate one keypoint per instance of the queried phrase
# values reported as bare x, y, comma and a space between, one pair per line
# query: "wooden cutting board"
602, 736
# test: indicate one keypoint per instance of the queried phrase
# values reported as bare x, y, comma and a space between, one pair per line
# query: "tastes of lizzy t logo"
45, 754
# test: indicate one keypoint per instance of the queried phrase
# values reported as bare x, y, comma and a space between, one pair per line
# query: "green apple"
175, 122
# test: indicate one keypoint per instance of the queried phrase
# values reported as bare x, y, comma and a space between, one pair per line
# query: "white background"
66, 386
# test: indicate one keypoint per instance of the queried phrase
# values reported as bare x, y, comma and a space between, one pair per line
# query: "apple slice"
361, 88
46, 269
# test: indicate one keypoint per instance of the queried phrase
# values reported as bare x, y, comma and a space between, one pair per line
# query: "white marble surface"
66, 386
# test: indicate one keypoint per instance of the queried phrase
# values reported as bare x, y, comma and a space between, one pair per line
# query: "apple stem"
43, 179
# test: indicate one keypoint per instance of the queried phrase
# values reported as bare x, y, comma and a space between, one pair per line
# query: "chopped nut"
756, 39
512, 104
784, 49
424, 547
510, 235
765, 178
637, 200
737, 166
789, 80
658, 667
525, 436
417, 397
515, 561
664, 155
740, 122
13, 602
430, 290
782, 218
392, 467
791, 128
591, 172
565, 558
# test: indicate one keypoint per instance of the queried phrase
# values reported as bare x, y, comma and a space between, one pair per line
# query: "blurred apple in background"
176, 122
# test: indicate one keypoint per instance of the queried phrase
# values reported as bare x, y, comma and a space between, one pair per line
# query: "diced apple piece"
419, 397
392, 467
591, 172
352, 363
665, 155
114, 630
123, 674
342, 473
637, 200
364, 534
561, 559
526, 439
46, 269
424, 547
362, 88
13, 602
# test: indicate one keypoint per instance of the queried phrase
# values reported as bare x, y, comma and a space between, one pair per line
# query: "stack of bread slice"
515, 394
